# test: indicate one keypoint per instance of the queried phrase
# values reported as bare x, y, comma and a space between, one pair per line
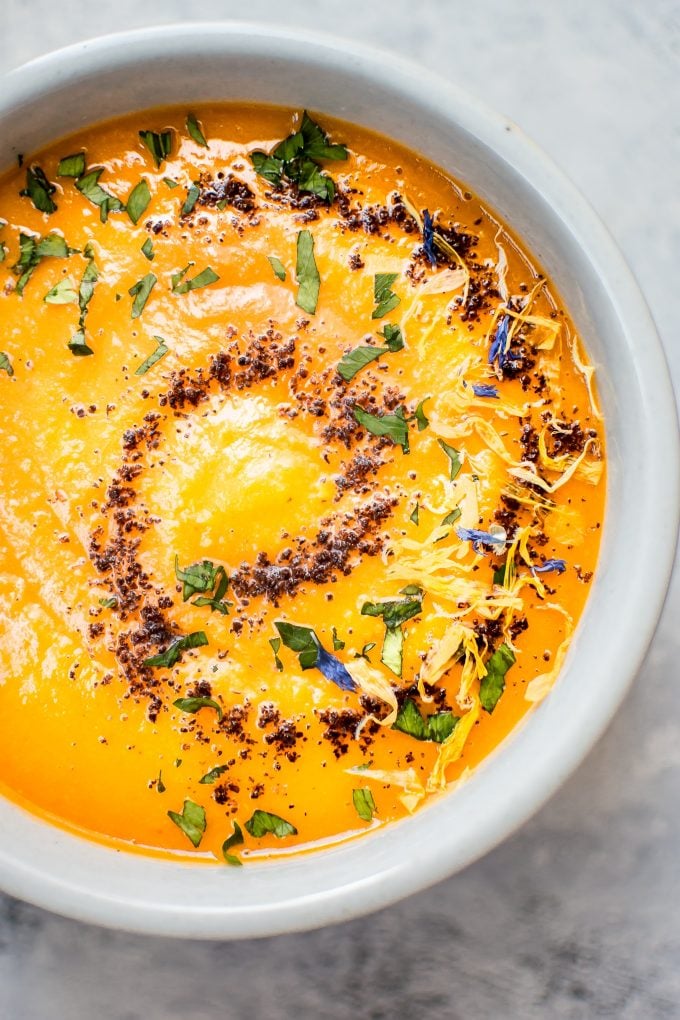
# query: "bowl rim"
69, 894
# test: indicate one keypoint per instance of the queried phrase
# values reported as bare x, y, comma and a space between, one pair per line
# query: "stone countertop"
575, 917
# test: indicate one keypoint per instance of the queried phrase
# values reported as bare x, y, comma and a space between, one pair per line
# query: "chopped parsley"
140, 292
77, 344
454, 458
39, 190
173, 653
355, 360
394, 613
72, 166
191, 821
193, 705
190, 201
213, 774
297, 159
263, 822
313, 655
236, 839
194, 129
394, 426
307, 274
204, 279
89, 186
138, 200
385, 299
160, 352
63, 293
277, 267
159, 144
32, 250
207, 581
493, 684
437, 727
364, 803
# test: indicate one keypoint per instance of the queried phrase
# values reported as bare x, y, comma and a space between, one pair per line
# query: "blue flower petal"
428, 239
334, 670
499, 344
484, 390
559, 566
479, 538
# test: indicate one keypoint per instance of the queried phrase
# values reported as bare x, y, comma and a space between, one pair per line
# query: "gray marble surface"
577, 915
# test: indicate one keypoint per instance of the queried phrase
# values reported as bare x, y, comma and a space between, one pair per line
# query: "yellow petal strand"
540, 685
407, 779
452, 748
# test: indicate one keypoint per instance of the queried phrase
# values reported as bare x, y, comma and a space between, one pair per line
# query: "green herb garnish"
138, 200
77, 344
160, 352
190, 201
194, 129
307, 273
147, 249
297, 159
72, 166
210, 777
160, 785
39, 190
193, 705
277, 266
394, 613
32, 250
140, 292
493, 684
385, 299
109, 603
63, 293
169, 183
91, 189
394, 426
201, 578
263, 822
275, 642
159, 144
191, 821
173, 653
204, 279
420, 416
437, 727
355, 360
415, 516
338, 645
234, 840
363, 654
364, 803
454, 458
5, 364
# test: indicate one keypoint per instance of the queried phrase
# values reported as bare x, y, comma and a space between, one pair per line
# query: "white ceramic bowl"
70, 89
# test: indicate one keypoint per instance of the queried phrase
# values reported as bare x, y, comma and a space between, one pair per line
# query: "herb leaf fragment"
385, 300
203, 578
263, 822
364, 804
307, 273
193, 705
77, 344
437, 727
39, 190
394, 613
159, 144
312, 654
454, 458
160, 352
213, 774
91, 189
72, 166
32, 250
278, 267
5, 364
236, 839
194, 129
394, 426
355, 360
297, 159
138, 200
493, 684
203, 279
191, 821
173, 653
140, 291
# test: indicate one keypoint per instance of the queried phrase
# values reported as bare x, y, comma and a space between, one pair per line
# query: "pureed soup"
301, 482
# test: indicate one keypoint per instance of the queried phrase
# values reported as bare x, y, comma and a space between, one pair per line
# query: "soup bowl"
71, 89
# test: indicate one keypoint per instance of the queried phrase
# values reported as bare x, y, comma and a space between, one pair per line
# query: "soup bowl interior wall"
186, 64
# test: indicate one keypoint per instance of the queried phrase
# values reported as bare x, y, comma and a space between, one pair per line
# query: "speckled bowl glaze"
185, 64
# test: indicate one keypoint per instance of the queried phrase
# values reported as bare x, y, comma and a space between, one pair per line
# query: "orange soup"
301, 482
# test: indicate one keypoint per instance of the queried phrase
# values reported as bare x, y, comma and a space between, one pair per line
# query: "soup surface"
301, 482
